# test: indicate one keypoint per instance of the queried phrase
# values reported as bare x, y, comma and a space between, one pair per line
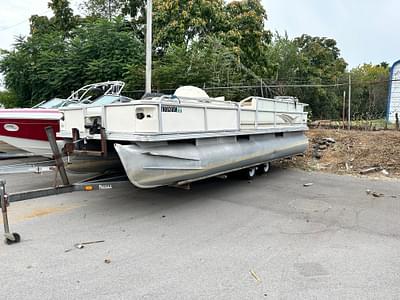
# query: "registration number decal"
170, 108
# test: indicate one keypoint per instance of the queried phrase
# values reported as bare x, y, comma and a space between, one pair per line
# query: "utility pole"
109, 10
262, 89
344, 109
149, 10
349, 108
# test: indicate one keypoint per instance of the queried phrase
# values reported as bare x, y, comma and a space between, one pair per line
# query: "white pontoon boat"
188, 136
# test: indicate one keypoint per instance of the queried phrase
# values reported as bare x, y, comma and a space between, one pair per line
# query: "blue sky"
366, 31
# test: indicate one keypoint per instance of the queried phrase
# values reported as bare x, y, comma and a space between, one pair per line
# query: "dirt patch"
24, 213
45, 211
371, 153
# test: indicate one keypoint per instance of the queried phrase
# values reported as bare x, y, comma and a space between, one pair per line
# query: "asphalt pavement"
272, 238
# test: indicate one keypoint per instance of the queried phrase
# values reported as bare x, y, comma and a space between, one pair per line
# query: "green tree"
8, 99
102, 8
370, 90
183, 21
48, 65
103, 51
40, 24
205, 64
113, 8
245, 31
133, 12
283, 59
63, 19
320, 64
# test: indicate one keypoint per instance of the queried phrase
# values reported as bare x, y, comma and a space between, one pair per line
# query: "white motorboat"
24, 128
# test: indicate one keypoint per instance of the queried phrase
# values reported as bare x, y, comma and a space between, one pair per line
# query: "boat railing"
254, 106
189, 102
210, 100
280, 99
257, 123
201, 115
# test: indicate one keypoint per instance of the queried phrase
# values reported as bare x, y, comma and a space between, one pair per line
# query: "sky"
366, 31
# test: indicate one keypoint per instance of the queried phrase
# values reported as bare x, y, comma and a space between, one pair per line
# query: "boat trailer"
104, 181
99, 182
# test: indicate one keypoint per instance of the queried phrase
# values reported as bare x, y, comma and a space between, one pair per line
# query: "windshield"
103, 100
108, 99
53, 103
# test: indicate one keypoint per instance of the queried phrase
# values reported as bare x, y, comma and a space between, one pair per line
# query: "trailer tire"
250, 173
264, 168
17, 239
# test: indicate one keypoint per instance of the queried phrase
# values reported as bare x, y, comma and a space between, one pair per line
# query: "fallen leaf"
377, 195
255, 276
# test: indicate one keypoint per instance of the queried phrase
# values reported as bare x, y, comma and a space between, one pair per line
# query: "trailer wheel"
250, 173
17, 239
264, 168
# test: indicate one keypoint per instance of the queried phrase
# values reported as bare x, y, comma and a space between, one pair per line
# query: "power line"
277, 86
22, 22
12, 26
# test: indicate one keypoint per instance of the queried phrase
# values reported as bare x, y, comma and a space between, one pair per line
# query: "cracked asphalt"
272, 238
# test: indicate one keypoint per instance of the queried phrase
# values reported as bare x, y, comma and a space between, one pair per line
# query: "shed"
393, 105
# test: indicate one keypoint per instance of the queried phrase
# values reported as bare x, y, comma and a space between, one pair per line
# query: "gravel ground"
352, 153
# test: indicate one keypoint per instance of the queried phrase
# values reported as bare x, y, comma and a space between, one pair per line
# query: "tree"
40, 24
245, 31
7, 99
102, 8
183, 21
48, 65
180, 23
63, 19
370, 90
203, 63
133, 11
238, 27
103, 50
109, 9
320, 64
283, 60
306, 64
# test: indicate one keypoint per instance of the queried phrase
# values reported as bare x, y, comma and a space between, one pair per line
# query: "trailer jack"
10, 238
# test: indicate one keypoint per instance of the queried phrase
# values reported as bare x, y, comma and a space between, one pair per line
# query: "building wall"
394, 93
